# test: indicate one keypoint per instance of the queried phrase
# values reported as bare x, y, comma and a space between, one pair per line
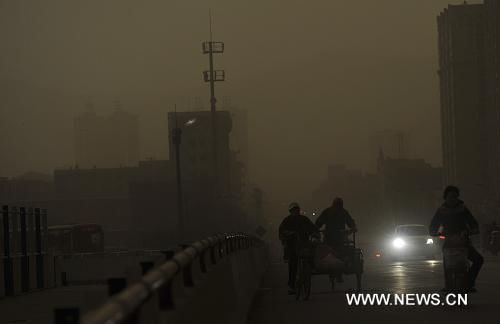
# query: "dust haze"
318, 78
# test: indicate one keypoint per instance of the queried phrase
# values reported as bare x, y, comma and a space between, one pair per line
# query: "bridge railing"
25, 262
211, 280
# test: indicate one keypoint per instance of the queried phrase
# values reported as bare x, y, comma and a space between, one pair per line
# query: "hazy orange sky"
317, 77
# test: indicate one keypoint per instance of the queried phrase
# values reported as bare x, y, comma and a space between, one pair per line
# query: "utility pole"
210, 47
176, 140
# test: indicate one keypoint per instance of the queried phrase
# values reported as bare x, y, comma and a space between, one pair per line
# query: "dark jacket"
454, 219
298, 224
335, 220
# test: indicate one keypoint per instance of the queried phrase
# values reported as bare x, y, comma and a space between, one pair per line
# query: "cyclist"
335, 219
293, 229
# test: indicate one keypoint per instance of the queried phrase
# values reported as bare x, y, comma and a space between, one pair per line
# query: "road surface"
272, 305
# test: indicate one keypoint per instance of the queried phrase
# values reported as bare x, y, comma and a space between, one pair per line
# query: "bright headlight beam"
429, 241
398, 243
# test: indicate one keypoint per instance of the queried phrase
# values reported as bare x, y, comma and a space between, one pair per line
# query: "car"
412, 240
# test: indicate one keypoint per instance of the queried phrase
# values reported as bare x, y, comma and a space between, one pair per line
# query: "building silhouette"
410, 189
402, 191
359, 190
197, 146
492, 85
134, 205
394, 143
28, 189
468, 72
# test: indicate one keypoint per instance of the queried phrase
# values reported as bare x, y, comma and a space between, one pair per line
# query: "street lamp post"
176, 140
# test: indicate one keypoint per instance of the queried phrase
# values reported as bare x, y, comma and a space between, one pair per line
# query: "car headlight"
398, 243
429, 241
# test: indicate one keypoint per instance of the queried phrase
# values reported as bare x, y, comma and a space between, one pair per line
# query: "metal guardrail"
125, 306
23, 236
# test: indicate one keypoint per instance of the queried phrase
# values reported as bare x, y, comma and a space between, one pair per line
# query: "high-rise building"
492, 44
468, 71
196, 144
106, 141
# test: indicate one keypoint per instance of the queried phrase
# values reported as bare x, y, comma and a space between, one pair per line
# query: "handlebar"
348, 231
288, 233
345, 231
464, 233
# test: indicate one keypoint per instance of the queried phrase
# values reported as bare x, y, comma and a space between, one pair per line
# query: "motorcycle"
456, 263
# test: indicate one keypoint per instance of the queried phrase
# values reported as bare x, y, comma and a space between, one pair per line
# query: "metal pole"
213, 102
25, 280
211, 75
176, 139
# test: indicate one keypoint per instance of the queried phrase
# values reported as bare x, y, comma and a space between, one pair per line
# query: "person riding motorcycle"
456, 219
292, 230
335, 219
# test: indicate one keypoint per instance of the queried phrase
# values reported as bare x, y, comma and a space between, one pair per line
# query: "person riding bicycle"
456, 219
335, 219
293, 229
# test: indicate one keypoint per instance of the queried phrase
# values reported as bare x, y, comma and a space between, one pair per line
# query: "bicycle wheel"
332, 281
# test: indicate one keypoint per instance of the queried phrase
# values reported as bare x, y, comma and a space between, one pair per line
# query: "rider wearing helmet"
294, 228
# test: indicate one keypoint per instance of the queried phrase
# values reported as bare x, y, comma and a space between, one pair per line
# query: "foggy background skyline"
317, 80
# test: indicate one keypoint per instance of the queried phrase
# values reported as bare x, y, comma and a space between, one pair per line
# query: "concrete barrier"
212, 280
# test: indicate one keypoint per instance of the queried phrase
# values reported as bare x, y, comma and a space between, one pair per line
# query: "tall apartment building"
197, 146
469, 69
464, 107
492, 45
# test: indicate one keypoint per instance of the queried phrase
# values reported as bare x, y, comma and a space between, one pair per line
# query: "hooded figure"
335, 219
455, 218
